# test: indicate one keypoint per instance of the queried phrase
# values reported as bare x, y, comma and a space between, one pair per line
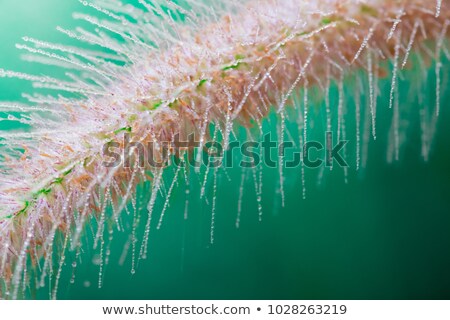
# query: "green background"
384, 235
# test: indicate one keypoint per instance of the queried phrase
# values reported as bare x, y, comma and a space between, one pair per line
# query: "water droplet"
96, 260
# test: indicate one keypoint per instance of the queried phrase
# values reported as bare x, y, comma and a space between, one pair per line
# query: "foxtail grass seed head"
166, 69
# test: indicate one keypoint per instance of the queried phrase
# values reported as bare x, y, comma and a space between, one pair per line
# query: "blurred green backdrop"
384, 235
